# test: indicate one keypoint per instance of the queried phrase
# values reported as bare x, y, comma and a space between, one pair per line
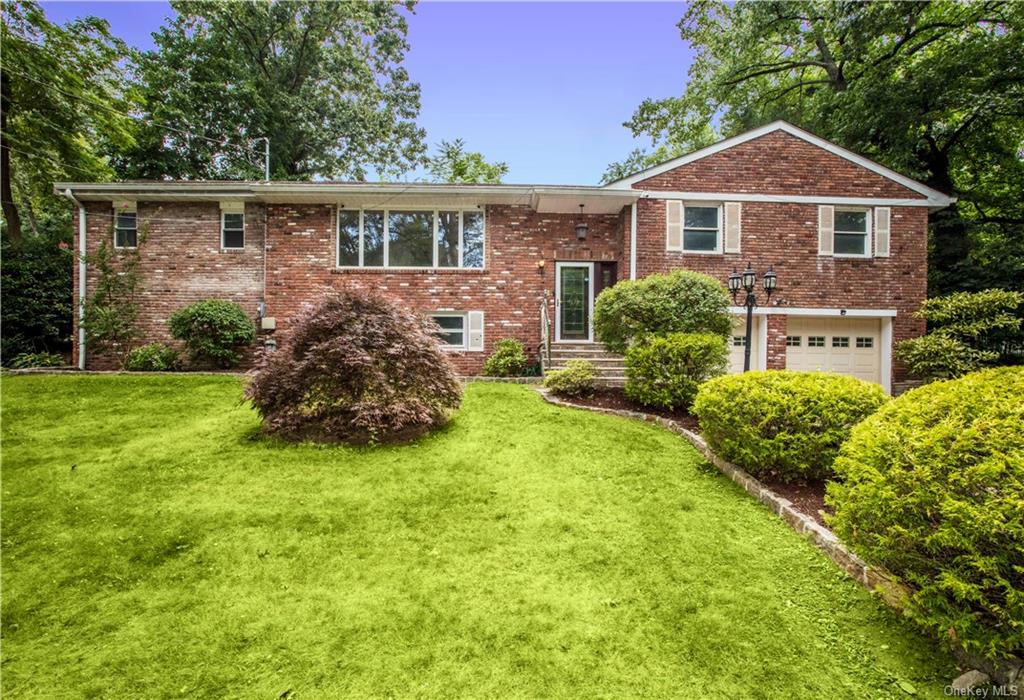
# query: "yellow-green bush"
576, 379
933, 490
782, 423
665, 371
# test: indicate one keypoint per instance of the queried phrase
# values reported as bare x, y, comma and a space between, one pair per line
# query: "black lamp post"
747, 281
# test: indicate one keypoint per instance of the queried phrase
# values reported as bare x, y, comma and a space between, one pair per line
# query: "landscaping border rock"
876, 580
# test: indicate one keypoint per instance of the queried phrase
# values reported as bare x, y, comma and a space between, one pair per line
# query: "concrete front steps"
611, 368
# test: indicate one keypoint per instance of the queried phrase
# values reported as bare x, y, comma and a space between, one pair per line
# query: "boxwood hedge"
782, 423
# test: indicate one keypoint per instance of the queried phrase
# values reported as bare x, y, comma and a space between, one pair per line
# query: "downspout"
81, 277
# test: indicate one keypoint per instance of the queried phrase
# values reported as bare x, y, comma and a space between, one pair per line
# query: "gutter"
81, 276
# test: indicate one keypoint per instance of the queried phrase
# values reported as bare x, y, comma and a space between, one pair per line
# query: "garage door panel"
844, 345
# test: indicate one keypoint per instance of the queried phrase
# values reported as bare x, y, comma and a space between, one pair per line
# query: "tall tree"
931, 89
453, 163
323, 80
64, 108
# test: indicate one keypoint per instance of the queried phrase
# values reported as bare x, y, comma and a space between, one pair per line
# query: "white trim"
886, 355
223, 215
465, 328
789, 198
386, 211
808, 311
632, 241
762, 342
558, 301
719, 231
937, 198
868, 240
118, 214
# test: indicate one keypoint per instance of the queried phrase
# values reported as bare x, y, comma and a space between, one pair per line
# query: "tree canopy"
934, 90
453, 163
323, 80
66, 92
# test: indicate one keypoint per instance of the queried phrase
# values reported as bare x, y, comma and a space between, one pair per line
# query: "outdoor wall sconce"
540, 266
581, 227
747, 281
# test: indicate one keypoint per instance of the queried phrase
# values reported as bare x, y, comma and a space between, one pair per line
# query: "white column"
632, 241
886, 361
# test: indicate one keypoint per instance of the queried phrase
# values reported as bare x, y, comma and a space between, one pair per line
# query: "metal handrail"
545, 335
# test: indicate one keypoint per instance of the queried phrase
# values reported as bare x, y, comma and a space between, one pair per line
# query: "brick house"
846, 236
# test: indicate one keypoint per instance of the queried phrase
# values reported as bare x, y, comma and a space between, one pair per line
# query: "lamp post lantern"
747, 281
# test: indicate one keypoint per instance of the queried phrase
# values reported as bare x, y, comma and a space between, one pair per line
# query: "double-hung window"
232, 230
411, 238
694, 228
850, 236
126, 229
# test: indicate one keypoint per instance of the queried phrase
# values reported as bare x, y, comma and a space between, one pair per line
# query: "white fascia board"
935, 198
790, 199
807, 311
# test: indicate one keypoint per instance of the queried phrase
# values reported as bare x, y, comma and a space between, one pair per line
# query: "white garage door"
844, 345
737, 345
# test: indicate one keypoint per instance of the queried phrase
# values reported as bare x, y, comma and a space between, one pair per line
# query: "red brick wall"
777, 163
509, 290
786, 236
181, 261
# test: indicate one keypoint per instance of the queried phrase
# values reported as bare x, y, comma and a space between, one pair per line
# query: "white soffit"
934, 197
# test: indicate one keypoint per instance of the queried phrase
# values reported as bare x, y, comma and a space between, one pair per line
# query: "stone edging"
505, 380
871, 577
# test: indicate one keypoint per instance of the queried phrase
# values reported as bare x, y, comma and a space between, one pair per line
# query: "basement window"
453, 330
232, 230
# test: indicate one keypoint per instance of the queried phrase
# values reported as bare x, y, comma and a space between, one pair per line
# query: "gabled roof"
934, 197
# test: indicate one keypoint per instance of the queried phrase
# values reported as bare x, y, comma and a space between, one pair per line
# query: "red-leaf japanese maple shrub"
357, 368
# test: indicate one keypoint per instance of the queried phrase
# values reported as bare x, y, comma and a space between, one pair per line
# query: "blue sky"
544, 87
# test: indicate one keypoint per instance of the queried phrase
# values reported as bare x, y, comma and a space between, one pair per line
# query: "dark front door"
574, 302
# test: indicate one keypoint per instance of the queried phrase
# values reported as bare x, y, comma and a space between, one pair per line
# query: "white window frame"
465, 325
719, 233
117, 215
868, 215
482, 211
223, 218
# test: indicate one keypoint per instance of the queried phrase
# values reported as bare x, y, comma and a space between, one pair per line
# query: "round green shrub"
665, 371
508, 359
155, 357
576, 379
357, 368
214, 331
933, 490
678, 302
785, 424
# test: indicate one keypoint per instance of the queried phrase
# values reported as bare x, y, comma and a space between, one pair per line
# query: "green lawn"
154, 545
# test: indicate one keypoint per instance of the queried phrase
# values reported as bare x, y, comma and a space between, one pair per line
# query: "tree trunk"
10, 209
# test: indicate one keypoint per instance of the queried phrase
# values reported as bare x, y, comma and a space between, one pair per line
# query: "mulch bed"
614, 398
808, 498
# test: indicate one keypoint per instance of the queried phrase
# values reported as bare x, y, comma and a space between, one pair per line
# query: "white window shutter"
673, 224
826, 228
732, 227
882, 216
476, 330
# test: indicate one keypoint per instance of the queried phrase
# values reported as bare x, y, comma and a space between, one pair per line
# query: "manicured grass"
155, 545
